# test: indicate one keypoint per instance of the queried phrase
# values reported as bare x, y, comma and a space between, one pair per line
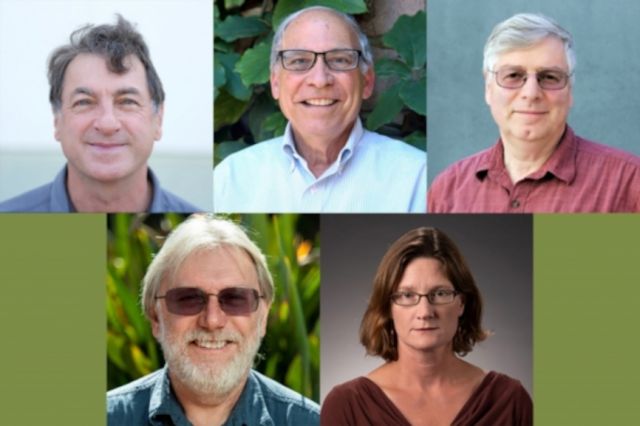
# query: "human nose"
212, 316
107, 122
320, 75
425, 308
531, 87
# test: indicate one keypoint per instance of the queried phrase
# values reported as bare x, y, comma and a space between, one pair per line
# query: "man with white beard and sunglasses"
207, 295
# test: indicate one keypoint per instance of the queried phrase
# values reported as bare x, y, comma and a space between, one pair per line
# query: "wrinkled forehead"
221, 261
319, 27
94, 68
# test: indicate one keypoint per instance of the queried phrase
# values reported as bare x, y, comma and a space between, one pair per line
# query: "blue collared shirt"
373, 173
54, 197
263, 402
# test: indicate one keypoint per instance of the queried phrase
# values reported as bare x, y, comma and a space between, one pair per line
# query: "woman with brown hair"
423, 316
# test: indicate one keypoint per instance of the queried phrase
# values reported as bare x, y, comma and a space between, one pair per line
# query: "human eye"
341, 59
234, 296
512, 74
298, 60
128, 102
551, 76
81, 102
405, 296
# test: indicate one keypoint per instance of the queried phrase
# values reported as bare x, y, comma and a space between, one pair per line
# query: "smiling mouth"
106, 145
321, 102
211, 344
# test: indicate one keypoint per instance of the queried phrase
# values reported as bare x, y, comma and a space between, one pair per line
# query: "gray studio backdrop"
606, 93
498, 249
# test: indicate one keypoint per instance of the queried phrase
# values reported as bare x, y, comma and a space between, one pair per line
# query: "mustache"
203, 335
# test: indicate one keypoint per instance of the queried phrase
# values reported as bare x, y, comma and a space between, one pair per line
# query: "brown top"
498, 400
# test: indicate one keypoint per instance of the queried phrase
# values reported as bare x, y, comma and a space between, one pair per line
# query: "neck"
521, 158
426, 370
131, 194
319, 151
206, 409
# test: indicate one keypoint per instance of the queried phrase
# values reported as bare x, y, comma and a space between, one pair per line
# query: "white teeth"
208, 344
320, 102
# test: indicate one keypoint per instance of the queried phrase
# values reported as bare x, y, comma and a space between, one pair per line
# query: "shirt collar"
251, 408
163, 403
561, 164
157, 204
251, 405
61, 202
289, 147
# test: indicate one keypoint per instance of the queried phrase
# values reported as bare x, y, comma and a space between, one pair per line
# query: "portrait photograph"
366, 272
38, 138
502, 141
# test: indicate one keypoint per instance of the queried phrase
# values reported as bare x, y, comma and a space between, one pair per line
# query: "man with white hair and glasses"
539, 164
321, 70
207, 294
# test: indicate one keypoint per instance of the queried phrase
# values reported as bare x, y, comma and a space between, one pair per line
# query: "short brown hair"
376, 330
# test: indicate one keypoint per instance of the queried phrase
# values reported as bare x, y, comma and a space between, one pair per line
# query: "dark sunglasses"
192, 300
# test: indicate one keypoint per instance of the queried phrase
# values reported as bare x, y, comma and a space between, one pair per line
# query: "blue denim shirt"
264, 402
54, 197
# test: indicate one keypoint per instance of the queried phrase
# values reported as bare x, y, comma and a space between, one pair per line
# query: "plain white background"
179, 34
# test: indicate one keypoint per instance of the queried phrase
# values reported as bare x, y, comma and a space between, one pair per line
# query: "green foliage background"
290, 348
246, 113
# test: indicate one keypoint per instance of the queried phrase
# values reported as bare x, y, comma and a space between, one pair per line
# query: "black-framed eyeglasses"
441, 296
193, 300
304, 60
516, 77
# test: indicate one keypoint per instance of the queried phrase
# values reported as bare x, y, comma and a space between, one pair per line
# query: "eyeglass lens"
336, 60
514, 78
436, 297
192, 300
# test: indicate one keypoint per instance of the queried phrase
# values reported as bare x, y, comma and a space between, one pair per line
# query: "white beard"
209, 379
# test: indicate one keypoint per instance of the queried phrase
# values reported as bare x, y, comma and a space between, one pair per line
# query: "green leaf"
275, 124
234, 85
417, 139
219, 75
228, 4
409, 38
414, 94
287, 7
253, 66
392, 67
387, 108
236, 27
224, 149
227, 109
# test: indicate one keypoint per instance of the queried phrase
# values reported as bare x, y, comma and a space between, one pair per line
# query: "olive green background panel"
586, 319
52, 360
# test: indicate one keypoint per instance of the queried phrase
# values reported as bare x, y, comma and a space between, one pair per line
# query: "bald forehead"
304, 27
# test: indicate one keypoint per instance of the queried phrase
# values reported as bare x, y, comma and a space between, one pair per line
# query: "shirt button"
515, 204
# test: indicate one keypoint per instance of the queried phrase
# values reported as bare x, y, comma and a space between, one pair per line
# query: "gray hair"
522, 31
365, 48
114, 43
200, 232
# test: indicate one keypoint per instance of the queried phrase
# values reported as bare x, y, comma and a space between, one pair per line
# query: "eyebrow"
436, 287
119, 92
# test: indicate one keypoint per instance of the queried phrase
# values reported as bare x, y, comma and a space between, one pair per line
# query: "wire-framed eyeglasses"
516, 77
192, 300
441, 296
304, 60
